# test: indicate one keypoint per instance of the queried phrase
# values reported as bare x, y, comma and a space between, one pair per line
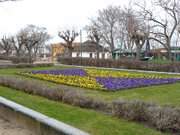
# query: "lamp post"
81, 45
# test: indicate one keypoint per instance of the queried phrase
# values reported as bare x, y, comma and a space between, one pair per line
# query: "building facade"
87, 49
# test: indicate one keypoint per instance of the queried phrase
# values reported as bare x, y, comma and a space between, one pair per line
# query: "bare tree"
33, 38
163, 27
139, 38
5, 44
133, 30
69, 37
7, 0
128, 23
43, 37
121, 27
107, 21
18, 44
49, 48
95, 36
139, 34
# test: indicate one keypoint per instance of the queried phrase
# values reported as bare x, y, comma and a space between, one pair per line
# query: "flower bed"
125, 74
103, 79
127, 83
79, 81
73, 72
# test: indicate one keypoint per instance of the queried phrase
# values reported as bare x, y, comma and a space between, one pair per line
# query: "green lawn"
160, 61
163, 94
88, 120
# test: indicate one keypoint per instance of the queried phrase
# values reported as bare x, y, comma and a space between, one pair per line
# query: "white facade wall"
106, 55
87, 55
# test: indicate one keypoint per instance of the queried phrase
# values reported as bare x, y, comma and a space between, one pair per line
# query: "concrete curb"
117, 69
46, 125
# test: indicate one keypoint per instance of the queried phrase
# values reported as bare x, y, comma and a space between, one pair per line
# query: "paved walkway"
5, 62
7, 128
119, 69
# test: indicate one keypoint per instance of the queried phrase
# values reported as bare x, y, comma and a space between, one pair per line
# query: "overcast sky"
52, 14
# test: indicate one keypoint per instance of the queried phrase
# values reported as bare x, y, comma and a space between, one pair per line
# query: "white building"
89, 49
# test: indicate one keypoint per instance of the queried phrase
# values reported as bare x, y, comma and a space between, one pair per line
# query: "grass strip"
88, 120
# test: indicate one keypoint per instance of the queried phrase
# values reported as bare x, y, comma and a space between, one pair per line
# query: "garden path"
7, 128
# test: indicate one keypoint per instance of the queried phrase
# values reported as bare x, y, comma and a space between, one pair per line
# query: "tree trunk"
97, 51
70, 55
18, 52
147, 51
7, 53
35, 54
112, 39
138, 52
169, 54
30, 57
70, 52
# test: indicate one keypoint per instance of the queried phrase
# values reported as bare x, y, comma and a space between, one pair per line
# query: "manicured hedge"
16, 60
65, 95
162, 118
123, 63
26, 65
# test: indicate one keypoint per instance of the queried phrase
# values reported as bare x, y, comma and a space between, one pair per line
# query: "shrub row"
123, 63
26, 65
16, 60
162, 118
65, 95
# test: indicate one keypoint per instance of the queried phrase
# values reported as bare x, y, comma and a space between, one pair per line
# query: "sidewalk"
118, 69
7, 128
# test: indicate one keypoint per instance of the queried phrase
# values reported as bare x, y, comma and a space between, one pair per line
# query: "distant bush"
17, 60
3, 57
33, 65
163, 118
26, 65
122, 63
135, 110
71, 97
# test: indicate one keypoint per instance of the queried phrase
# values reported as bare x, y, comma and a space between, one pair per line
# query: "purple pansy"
72, 72
114, 84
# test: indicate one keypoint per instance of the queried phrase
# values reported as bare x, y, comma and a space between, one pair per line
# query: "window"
77, 54
103, 55
90, 55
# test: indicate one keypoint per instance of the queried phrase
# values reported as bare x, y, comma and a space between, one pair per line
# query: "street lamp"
81, 44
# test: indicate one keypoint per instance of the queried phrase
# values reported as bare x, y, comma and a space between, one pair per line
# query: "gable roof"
89, 46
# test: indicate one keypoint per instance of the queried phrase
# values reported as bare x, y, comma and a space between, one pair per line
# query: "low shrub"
122, 63
132, 110
17, 60
162, 118
26, 65
71, 97
33, 65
